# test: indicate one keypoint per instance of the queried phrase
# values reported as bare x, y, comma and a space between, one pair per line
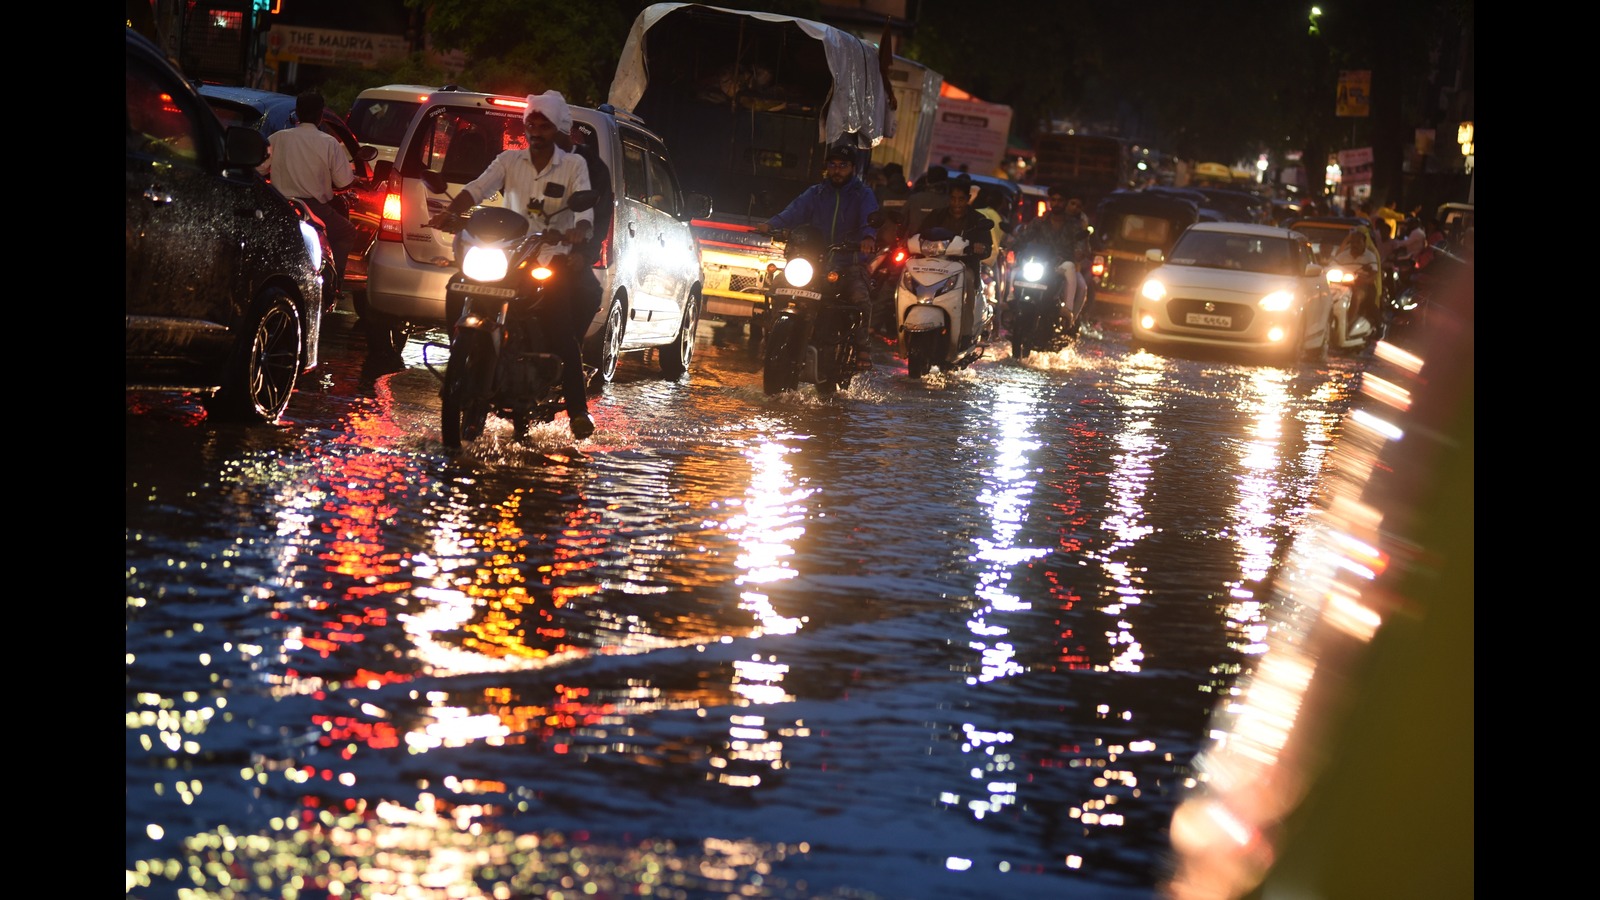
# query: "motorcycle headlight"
485, 264
1032, 270
1277, 301
1337, 275
798, 271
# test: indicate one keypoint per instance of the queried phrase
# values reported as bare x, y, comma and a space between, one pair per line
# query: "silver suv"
649, 268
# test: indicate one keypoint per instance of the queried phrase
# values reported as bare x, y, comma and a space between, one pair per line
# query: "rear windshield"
380, 121
459, 142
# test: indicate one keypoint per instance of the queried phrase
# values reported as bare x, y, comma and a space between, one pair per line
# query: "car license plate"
1209, 320
797, 292
481, 290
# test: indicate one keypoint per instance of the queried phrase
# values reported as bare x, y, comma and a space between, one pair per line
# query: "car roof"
452, 96
403, 91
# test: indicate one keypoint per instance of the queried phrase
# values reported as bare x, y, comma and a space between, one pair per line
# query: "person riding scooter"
1062, 230
960, 217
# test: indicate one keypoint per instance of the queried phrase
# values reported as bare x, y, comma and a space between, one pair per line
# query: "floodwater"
952, 638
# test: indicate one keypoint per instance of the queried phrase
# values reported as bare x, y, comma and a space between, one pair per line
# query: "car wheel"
676, 356
608, 347
266, 362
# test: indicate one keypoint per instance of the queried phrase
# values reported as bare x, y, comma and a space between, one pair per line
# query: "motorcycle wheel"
266, 363
780, 370
675, 357
461, 417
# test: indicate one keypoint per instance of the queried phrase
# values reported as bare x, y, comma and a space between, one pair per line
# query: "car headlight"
485, 264
798, 271
1153, 290
1032, 270
1277, 301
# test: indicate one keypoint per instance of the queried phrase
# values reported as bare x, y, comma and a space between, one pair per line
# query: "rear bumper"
398, 285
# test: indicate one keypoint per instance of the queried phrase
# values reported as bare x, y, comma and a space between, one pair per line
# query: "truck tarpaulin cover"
845, 67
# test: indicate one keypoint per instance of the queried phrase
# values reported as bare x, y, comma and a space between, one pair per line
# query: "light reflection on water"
938, 638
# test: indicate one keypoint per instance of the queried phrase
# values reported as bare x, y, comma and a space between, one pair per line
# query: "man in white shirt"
306, 163
523, 177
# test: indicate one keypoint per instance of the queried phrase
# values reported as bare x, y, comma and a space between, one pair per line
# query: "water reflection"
949, 637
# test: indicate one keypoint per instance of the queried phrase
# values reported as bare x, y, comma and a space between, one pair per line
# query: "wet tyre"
604, 352
676, 356
780, 370
266, 362
471, 365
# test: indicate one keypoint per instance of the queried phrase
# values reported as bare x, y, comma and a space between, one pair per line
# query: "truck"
1090, 166
748, 103
915, 89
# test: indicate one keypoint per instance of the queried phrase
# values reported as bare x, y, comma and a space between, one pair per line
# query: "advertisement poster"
1355, 92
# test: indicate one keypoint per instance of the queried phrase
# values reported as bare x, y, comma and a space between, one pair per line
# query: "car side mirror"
581, 201
366, 153
1313, 270
434, 181
696, 205
244, 148
1154, 254
382, 169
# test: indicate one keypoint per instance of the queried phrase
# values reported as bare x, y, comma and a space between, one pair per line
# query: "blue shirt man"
839, 205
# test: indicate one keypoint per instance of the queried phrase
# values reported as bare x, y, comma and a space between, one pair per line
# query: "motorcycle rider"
838, 206
521, 176
308, 164
960, 217
1063, 228
1357, 252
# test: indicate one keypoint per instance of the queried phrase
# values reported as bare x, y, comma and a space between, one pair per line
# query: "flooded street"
952, 638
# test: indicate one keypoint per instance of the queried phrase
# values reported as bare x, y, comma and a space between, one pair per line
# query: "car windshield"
380, 121
1267, 254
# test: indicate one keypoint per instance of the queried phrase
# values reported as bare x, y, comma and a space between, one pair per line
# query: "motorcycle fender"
925, 317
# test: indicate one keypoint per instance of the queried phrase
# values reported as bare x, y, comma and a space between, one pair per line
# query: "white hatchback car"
1236, 286
379, 116
649, 267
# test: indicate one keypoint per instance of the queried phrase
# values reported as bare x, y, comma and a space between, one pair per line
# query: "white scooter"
928, 306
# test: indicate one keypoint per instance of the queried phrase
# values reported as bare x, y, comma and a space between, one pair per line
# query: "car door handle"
631, 232
157, 196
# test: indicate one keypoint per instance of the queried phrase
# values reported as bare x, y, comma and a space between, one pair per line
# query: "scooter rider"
1064, 230
960, 217
839, 206
522, 176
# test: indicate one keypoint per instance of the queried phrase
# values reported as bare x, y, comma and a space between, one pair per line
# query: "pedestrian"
306, 163
959, 216
839, 206
521, 177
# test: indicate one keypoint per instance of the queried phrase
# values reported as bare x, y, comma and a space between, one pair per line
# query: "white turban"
552, 106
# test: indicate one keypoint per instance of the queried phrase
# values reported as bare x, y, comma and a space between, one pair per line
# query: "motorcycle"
929, 305
1038, 305
502, 359
809, 321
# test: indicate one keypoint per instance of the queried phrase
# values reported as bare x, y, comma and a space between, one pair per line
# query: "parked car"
1127, 225
1237, 286
222, 275
380, 115
271, 111
649, 270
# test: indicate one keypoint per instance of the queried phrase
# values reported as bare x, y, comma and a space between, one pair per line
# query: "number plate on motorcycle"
797, 292
481, 290
1032, 285
1208, 319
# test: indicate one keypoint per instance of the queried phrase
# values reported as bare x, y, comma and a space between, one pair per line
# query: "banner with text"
328, 47
1355, 92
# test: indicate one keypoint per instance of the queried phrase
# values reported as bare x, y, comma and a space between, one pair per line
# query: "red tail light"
1098, 267
899, 256
389, 225
605, 245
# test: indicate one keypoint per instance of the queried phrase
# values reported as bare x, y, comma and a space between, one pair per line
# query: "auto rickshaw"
1128, 224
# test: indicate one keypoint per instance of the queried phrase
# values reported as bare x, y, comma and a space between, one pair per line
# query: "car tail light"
389, 225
